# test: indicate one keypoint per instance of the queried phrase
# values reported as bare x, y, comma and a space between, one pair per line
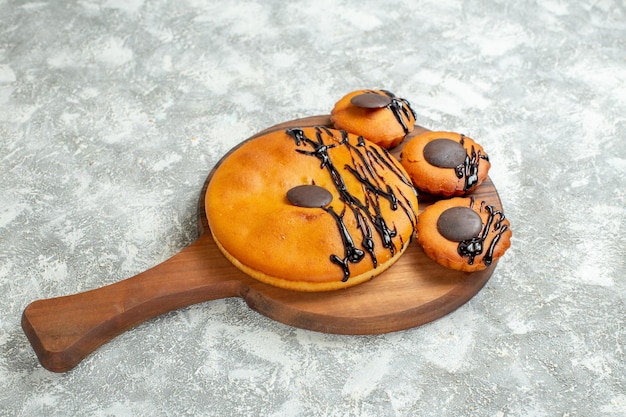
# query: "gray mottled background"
112, 113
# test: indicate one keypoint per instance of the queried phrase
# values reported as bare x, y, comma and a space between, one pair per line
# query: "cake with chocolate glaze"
377, 115
311, 209
463, 234
445, 163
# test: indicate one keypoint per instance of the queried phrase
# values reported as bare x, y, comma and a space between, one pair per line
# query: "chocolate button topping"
371, 101
445, 153
459, 223
311, 196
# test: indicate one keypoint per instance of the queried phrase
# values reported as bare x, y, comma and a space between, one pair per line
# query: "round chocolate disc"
445, 153
459, 223
371, 101
311, 196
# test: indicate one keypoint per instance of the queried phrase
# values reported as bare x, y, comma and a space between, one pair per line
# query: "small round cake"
445, 163
311, 209
463, 234
377, 115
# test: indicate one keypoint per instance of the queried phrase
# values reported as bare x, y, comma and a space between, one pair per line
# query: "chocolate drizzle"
400, 107
367, 162
475, 246
469, 168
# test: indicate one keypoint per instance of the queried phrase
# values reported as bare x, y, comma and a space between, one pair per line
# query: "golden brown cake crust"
471, 254
362, 231
386, 126
445, 181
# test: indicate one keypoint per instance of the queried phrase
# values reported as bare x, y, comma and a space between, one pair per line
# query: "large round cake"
311, 209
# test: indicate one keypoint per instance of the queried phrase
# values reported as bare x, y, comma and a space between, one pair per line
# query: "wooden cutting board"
414, 291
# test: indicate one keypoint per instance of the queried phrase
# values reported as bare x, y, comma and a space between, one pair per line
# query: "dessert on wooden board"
414, 291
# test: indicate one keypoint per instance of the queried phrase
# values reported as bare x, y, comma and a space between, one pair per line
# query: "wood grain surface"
414, 291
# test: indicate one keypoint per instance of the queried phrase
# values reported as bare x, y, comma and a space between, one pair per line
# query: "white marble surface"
113, 112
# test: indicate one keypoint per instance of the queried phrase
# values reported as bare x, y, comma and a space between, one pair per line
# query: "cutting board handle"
64, 330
